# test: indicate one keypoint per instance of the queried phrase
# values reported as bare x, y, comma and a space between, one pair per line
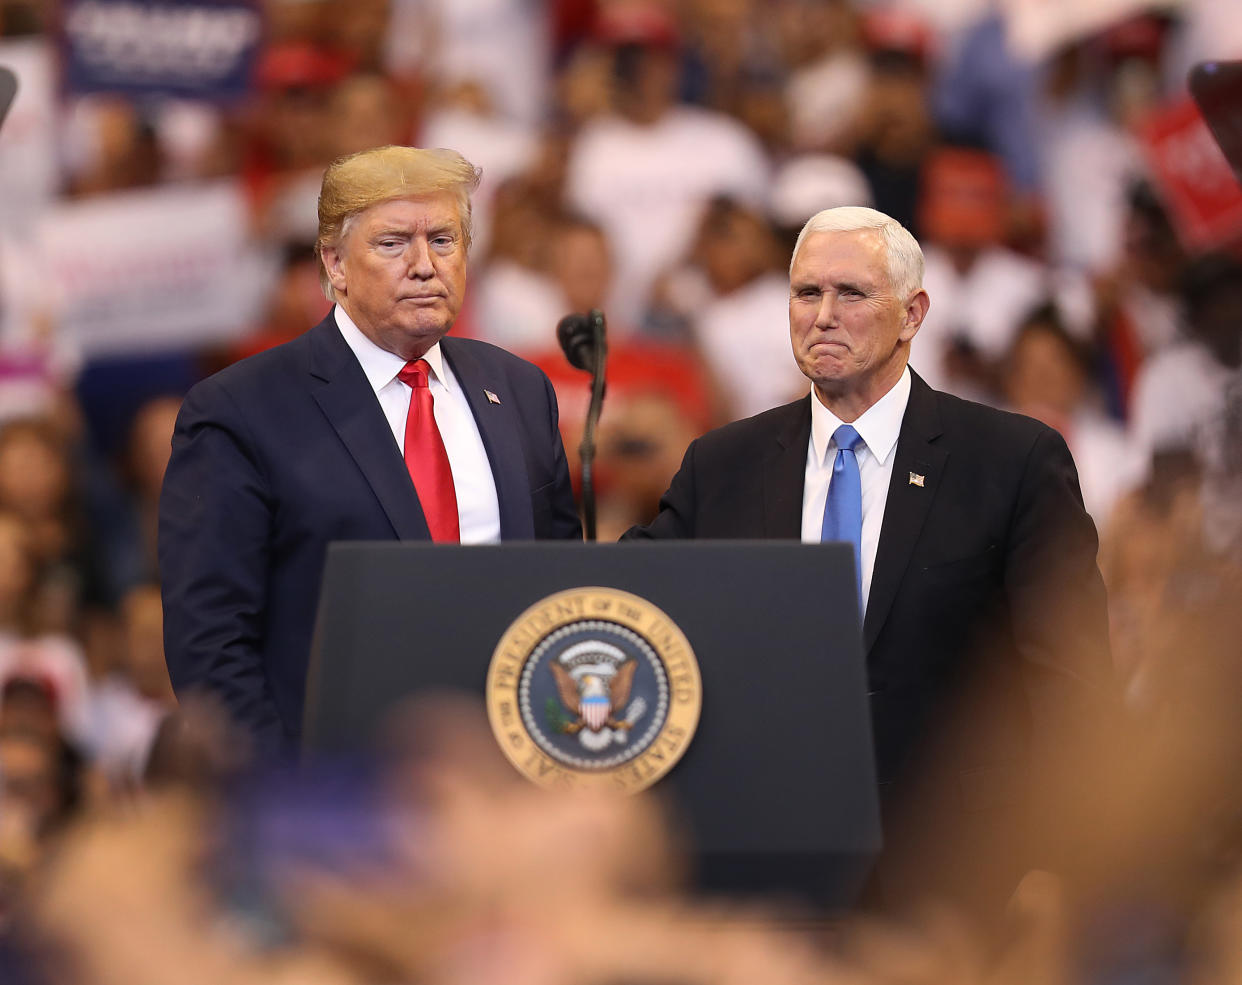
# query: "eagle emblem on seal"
593, 680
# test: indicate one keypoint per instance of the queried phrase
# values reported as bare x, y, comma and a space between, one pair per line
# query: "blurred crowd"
653, 160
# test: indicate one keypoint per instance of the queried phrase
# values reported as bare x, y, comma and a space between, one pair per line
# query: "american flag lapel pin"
492, 398
916, 479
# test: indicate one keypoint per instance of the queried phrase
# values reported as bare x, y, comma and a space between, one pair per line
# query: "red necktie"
426, 458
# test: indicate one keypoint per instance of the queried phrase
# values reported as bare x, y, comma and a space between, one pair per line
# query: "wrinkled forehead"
424, 211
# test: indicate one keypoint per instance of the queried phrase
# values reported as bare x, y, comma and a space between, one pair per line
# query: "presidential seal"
594, 686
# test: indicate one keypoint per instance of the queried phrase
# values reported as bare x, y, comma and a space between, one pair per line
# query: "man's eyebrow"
850, 285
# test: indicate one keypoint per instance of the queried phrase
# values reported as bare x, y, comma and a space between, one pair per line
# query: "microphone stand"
586, 450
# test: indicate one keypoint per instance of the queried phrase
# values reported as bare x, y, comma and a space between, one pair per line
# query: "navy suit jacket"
985, 582
281, 453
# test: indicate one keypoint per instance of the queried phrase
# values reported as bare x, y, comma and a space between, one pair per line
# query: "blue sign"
199, 49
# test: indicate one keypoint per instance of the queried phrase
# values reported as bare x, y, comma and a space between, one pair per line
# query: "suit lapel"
341, 389
498, 427
784, 473
908, 504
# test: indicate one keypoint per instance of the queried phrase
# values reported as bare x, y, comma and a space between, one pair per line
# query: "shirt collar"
879, 426
381, 366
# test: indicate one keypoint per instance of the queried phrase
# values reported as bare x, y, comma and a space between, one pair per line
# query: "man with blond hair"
974, 558
371, 426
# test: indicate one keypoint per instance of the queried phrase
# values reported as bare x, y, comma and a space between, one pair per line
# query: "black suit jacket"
282, 453
985, 582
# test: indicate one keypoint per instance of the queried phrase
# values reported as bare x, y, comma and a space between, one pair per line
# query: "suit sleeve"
675, 519
215, 522
566, 523
1055, 590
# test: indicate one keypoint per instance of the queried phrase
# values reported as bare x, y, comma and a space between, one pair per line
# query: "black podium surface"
777, 787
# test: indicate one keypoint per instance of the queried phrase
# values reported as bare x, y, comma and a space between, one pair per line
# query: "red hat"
642, 23
33, 680
300, 64
964, 197
1136, 37
896, 29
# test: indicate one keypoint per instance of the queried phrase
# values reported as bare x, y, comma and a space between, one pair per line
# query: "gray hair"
905, 258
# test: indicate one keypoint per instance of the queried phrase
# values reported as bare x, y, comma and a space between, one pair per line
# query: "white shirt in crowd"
879, 427
1178, 396
1108, 465
823, 99
983, 306
478, 508
646, 185
744, 339
1089, 162
505, 45
517, 308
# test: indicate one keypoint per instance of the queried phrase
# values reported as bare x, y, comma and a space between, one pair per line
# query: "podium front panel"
777, 787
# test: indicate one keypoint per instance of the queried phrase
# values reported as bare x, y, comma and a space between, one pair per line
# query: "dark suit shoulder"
494, 357
992, 430
323, 349
298, 355
736, 480
784, 422
986, 417
262, 371
484, 350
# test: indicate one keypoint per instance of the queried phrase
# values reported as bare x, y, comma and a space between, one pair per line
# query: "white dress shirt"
879, 428
478, 508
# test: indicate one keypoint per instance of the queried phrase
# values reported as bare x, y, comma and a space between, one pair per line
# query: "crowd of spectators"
651, 159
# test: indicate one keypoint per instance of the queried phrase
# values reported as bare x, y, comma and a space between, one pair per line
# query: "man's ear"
332, 258
916, 311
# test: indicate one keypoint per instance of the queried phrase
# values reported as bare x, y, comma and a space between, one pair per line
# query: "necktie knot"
846, 438
426, 458
414, 373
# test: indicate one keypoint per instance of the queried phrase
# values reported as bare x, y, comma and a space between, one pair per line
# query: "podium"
776, 787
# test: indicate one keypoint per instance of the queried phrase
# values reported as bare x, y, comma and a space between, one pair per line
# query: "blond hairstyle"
901, 249
352, 184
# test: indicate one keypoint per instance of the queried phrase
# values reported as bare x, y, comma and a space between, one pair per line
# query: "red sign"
1217, 88
1204, 197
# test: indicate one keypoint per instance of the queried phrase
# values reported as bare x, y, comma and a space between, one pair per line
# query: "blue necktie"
843, 508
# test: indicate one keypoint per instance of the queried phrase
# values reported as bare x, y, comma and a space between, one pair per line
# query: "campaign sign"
29, 169
1217, 90
1205, 200
197, 49
155, 270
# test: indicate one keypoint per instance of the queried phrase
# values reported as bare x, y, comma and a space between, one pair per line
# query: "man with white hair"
974, 556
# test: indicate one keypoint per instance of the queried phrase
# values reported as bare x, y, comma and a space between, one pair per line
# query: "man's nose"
826, 316
419, 257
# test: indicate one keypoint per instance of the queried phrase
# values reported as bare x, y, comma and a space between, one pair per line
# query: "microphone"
582, 340
8, 91
577, 336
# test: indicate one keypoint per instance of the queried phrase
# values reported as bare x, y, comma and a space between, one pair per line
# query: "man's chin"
412, 340
825, 372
